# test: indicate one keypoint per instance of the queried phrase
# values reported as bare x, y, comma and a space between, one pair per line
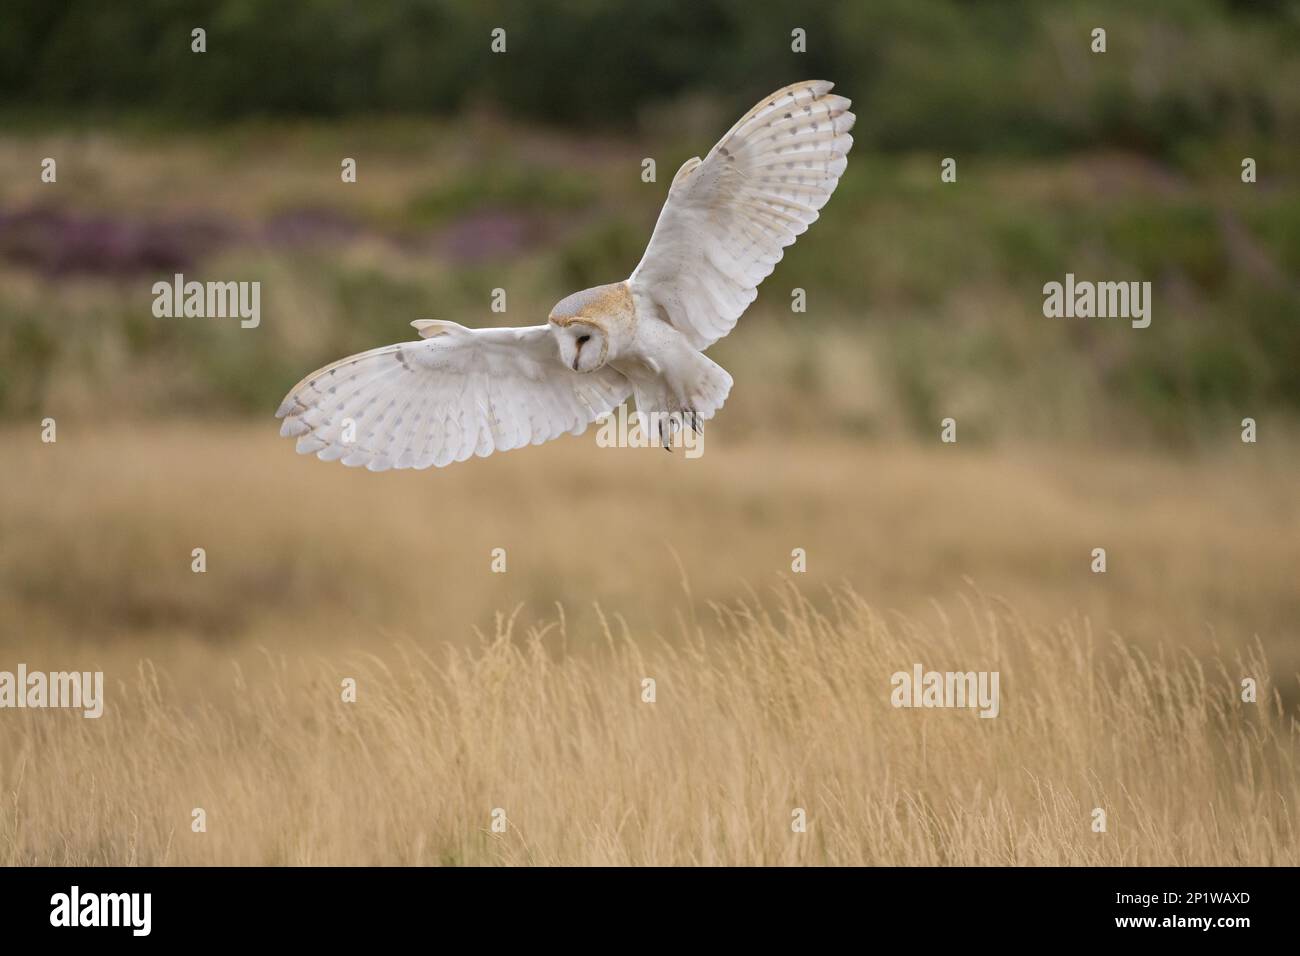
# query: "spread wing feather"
729, 217
456, 393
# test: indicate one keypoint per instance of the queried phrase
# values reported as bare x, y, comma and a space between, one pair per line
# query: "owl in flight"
457, 392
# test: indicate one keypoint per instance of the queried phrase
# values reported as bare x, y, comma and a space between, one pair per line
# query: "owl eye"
584, 339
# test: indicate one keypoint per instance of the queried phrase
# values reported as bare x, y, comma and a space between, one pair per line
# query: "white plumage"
458, 392
729, 218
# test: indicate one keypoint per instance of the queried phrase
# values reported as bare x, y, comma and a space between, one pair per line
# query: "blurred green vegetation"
1000, 75
511, 187
522, 172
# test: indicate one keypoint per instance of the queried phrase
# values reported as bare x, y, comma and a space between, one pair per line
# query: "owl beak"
577, 351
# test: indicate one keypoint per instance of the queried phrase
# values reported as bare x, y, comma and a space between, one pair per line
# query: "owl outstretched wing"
729, 217
454, 393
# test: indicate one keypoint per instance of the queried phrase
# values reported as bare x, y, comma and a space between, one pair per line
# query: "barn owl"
457, 392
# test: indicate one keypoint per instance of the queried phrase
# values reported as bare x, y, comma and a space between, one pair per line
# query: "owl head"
580, 324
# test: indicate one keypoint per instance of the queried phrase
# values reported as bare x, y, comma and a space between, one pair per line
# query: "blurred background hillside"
522, 171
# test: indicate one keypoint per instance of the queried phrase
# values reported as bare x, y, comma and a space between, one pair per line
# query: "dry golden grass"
758, 712
96, 533
223, 688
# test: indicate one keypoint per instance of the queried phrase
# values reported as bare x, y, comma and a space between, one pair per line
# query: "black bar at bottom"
618, 907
